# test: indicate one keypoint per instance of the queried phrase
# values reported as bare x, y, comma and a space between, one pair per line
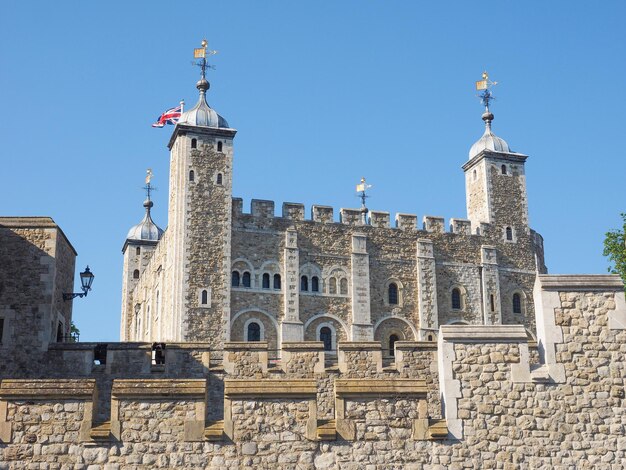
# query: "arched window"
138, 250
343, 286
194, 143
456, 298
276, 281
430, 337
136, 274
392, 345
509, 233
517, 303
219, 178
332, 285
246, 279
204, 297
254, 332
266, 281
326, 337
392, 294
493, 302
304, 283
315, 284
504, 169
192, 175
234, 280
219, 146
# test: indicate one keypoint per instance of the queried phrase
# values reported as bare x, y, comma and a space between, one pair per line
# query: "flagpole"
182, 106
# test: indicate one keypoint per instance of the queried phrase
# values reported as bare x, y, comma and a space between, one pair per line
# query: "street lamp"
86, 279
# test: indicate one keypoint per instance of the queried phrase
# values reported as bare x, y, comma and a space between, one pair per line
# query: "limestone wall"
499, 409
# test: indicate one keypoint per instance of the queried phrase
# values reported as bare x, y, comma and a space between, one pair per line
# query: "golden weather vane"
483, 85
201, 54
148, 187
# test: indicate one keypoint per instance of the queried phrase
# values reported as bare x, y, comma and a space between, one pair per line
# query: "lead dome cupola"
202, 114
489, 141
146, 230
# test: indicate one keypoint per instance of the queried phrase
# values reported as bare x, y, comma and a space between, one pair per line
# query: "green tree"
74, 332
615, 250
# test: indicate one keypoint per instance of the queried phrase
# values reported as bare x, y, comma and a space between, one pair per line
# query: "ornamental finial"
360, 189
483, 85
201, 54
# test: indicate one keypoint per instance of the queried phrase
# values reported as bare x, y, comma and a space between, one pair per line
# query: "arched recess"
462, 292
399, 292
269, 326
313, 326
387, 327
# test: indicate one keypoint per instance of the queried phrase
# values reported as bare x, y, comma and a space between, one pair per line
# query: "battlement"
265, 209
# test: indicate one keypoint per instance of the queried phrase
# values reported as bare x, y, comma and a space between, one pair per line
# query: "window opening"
509, 233
100, 354
138, 250
219, 146
315, 284
1, 329
343, 286
326, 337
393, 294
276, 281
332, 285
430, 337
254, 332
204, 297
304, 283
392, 345
517, 303
59, 333
194, 143
246, 279
456, 298
504, 169
192, 175
136, 274
234, 280
493, 303
158, 353
219, 178
266, 281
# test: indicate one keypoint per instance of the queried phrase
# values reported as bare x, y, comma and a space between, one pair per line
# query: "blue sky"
321, 93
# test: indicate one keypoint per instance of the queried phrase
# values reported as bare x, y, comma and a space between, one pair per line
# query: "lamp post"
86, 279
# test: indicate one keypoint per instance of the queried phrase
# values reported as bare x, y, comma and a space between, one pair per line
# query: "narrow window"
254, 332
266, 281
59, 333
194, 143
158, 304
304, 283
504, 169
475, 175
219, 146
276, 281
192, 175
493, 303
477, 231
456, 299
138, 250
136, 274
430, 337
246, 279
315, 284
332, 285
392, 345
148, 320
204, 297
326, 337
517, 303
343, 286
509, 233
393, 294
1, 329
234, 280
219, 178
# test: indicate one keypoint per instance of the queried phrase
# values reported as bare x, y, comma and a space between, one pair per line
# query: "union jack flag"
171, 116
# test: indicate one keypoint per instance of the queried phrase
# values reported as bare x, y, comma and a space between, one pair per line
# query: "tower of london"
222, 273
316, 338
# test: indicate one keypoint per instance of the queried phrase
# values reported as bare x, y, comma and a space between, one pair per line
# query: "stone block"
262, 208
461, 226
379, 219
322, 214
293, 211
406, 221
350, 216
433, 224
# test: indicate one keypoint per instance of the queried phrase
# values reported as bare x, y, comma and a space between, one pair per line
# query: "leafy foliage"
615, 250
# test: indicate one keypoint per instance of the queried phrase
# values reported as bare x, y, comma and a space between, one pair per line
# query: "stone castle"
256, 341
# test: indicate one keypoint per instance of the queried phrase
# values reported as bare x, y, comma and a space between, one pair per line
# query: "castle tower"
199, 216
495, 180
140, 243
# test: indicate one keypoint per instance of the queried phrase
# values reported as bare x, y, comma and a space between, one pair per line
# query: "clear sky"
321, 93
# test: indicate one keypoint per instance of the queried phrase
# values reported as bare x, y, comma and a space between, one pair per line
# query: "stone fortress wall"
482, 396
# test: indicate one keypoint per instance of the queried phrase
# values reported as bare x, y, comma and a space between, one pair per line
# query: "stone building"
221, 274
256, 341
